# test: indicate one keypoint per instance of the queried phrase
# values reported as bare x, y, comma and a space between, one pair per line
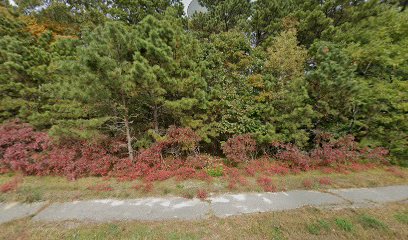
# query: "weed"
344, 224
103, 187
216, 171
277, 233
317, 228
402, 217
189, 194
166, 191
371, 222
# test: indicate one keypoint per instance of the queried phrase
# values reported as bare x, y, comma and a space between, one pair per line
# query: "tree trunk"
156, 118
128, 138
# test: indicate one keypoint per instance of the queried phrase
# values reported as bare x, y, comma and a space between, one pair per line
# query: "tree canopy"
277, 70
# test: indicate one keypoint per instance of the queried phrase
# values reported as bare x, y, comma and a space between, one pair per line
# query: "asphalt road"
105, 210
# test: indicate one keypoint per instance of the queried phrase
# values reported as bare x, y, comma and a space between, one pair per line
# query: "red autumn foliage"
325, 181
234, 177
202, 194
19, 145
78, 160
330, 152
378, 155
292, 156
181, 141
396, 172
308, 183
159, 175
148, 187
30, 152
266, 184
239, 148
11, 185
185, 173
200, 161
203, 176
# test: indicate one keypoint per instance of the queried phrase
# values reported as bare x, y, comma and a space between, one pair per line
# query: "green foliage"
371, 222
344, 224
318, 227
217, 171
402, 217
278, 70
332, 87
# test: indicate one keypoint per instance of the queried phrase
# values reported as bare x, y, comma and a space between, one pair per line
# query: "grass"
344, 224
54, 189
371, 222
318, 227
402, 217
332, 224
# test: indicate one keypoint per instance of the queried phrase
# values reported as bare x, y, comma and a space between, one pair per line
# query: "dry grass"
60, 189
307, 223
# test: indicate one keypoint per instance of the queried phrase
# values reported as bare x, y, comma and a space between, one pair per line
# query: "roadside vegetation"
105, 100
60, 189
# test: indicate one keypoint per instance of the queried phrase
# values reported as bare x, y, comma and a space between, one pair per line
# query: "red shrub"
199, 161
266, 184
291, 155
182, 141
232, 184
378, 154
160, 175
250, 170
307, 183
103, 187
153, 155
396, 172
239, 148
233, 176
202, 194
185, 173
18, 143
325, 181
203, 176
278, 169
341, 151
148, 187
79, 160
327, 170
11, 185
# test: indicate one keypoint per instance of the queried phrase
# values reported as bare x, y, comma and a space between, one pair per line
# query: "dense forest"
140, 80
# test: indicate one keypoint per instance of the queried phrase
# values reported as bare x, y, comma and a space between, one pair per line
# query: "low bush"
239, 148
216, 171
266, 184
11, 185
396, 172
325, 181
202, 194
20, 147
308, 183
292, 156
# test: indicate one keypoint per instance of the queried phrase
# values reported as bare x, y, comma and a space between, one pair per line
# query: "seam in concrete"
338, 196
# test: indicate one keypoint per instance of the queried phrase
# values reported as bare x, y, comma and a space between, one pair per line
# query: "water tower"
195, 7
